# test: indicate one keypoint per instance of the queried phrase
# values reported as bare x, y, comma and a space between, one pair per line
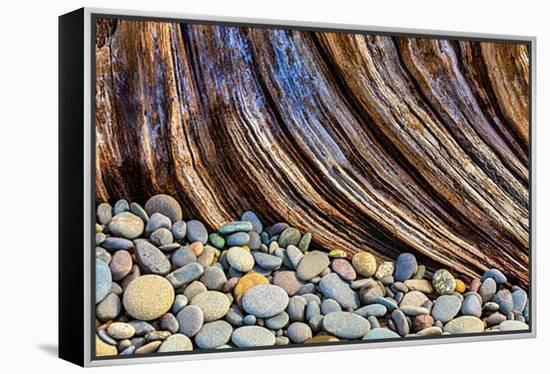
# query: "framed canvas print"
234, 186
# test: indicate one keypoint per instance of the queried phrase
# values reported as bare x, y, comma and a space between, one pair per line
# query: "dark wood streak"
384, 144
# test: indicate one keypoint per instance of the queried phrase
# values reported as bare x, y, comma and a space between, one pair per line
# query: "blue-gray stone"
236, 226
405, 267
487, 289
304, 242
255, 242
299, 332
103, 280
180, 302
234, 316
179, 230
151, 259
196, 232
333, 287
312, 309
277, 322
471, 306
157, 221
376, 310
121, 206
496, 274
329, 306
294, 256
290, 236
190, 319
267, 261
346, 325
505, 301
249, 319
238, 239
183, 256
400, 321
251, 217
139, 211
252, 336
115, 244
519, 298
185, 274
445, 308
213, 335
389, 303
265, 300
380, 333
277, 228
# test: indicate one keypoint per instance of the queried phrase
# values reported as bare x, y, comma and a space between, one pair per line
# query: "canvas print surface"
269, 187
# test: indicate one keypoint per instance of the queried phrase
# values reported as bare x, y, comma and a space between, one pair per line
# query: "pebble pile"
166, 285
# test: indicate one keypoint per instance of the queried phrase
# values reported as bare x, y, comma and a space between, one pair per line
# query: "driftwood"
376, 143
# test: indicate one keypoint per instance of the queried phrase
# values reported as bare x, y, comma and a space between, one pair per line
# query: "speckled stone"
103, 280
161, 237
120, 265
312, 264
240, 259
183, 256
151, 259
405, 267
103, 349
126, 225
443, 282
176, 343
344, 269
464, 325
265, 300
290, 236
277, 322
213, 278
445, 308
380, 333
165, 205
190, 319
333, 287
148, 297
520, 299
121, 330
109, 308
364, 263
246, 282
513, 326
252, 336
104, 213
385, 269
213, 335
421, 285
213, 304
299, 332
346, 325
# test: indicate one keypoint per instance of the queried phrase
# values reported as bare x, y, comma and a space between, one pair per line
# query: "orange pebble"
460, 286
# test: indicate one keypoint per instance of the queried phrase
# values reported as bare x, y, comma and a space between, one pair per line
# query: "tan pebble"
104, 349
197, 248
149, 347
385, 269
364, 263
148, 297
421, 285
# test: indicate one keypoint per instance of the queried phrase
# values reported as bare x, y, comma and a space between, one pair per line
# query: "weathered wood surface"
374, 143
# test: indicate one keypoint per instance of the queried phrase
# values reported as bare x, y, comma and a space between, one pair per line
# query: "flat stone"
376, 310
255, 241
388, 302
290, 236
496, 274
148, 297
213, 278
121, 206
252, 336
267, 261
109, 308
413, 311
115, 244
329, 306
344, 269
104, 213
443, 282
165, 205
364, 263
194, 288
190, 319
380, 333
240, 259
430, 331
277, 322
126, 225
196, 232
176, 343
421, 285
312, 264
400, 322
103, 349
445, 308
216, 240
405, 267
103, 280
213, 335
299, 332
464, 325
120, 265
246, 282
121, 330
142, 328
251, 217
180, 302
415, 298
139, 211
185, 274
346, 325
513, 326
333, 287
238, 239
148, 348
495, 319
151, 259
183, 256
265, 301
214, 304
236, 226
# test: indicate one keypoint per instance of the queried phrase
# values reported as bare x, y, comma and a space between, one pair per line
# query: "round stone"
190, 319
193, 289
346, 325
471, 306
121, 330
333, 287
251, 217
213, 335
168, 322
126, 225
329, 306
121, 264
216, 240
151, 259
109, 308
104, 213
148, 297
312, 264
265, 300
464, 325
179, 230
380, 333
213, 278
299, 332
176, 343
157, 221
288, 281
290, 236
405, 267
344, 269
246, 282
252, 336
460, 286
164, 204
183, 256
213, 304
103, 280
445, 308
364, 263
443, 282
385, 269
240, 259
196, 232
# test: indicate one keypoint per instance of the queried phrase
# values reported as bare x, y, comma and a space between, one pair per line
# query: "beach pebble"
344, 269
252, 336
247, 282
290, 236
333, 287
121, 264
176, 343
513, 326
196, 232
487, 289
238, 239
126, 225
190, 319
471, 306
236, 226
265, 301
277, 322
505, 301
121, 330
151, 259
464, 325
299, 332
165, 205
267, 261
148, 297
312, 264
385, 269
185, 274
213, 335
168, 322
364, 263
443, 282
213, 278
251, 217
240, 259
519, 298
345, 325
496, 275
445, 308
380, 333
405, 267
109, 308
104, 213
400, 321
103, 280
213, 304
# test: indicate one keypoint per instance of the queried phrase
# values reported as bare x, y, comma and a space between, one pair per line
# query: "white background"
28, 183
